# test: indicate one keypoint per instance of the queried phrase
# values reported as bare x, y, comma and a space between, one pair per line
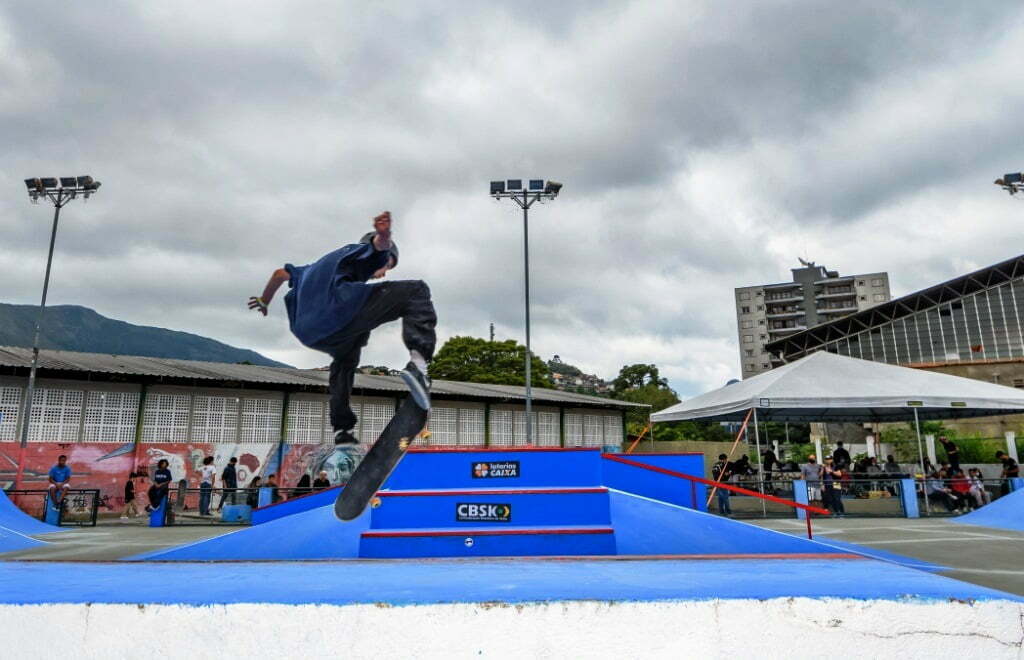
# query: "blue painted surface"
1016, 483
1005, 513
908, 496
434, 469
265, 497
315, 534
295, 505
11, 541
158, 516
16, 520
419, 511
453, 581
656, 485
875, 553
52, 514
534, 545
646, 527
800, 497
236, 513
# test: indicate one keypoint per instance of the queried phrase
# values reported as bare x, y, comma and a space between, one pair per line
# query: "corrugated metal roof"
166, 368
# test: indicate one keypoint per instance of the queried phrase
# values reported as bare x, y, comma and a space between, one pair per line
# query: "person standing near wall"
952, 452
1010, 471
130, 508
207, 474
721, 472
228, 483
811, 473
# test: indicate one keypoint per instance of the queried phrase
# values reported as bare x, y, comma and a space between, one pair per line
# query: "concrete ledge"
781, 627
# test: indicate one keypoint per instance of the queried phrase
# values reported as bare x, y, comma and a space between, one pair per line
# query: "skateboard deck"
382, 458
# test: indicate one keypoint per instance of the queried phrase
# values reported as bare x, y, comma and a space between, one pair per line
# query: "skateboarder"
331, 308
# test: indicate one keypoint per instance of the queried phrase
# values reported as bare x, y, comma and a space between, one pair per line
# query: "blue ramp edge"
17, 520
462, 581
315, 534
884, 555
11, 540
645, 526
1005, 513
295, 505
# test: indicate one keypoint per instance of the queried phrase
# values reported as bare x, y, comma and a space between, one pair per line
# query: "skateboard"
382, 458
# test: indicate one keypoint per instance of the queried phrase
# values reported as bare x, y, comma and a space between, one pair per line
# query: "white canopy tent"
825, 387
834, 388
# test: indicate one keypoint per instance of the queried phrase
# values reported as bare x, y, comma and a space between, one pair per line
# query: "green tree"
475, 360
637, 376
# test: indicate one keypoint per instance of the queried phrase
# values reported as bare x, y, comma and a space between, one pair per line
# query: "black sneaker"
418, 384
345, 438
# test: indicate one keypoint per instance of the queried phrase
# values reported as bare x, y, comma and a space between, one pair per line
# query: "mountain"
74, 328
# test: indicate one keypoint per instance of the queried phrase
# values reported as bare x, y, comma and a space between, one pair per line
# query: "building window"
261, 420
471, 427
766, 366
501, 428
748, 339
876, 282
1018, 383
55, 415
749, 352
444, 427
860, 282
165, 418
214, 419
305, 422
750, 367
573, 430
758, 294
745, 309
110, 416
519, 427
764, 337
593, 430
376, 415
613, 430
744, 295
10, 409
547, 430
760, 321
879, 297
863, 298
747, 324
760, 308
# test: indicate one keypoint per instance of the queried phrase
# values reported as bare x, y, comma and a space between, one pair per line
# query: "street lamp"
525, 196
68, 188
1012, 183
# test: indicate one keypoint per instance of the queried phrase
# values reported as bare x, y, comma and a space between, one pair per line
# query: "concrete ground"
111, 541
980, 555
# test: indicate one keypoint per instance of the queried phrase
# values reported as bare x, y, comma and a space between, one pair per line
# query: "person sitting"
978, 492
936, 491
161, 485
891, 468
321, 481
275, 493
252, 495
59, 476
303, 487
961, 488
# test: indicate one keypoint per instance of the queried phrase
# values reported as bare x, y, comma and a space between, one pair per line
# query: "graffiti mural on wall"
106, 466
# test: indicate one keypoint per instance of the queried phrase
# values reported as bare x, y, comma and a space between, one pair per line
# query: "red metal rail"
736, 489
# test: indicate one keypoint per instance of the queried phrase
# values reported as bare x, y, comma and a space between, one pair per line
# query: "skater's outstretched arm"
277, 278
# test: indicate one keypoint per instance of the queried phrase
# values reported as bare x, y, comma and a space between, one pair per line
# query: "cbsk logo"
466, 511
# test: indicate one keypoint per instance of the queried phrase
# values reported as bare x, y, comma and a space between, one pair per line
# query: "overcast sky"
703, 146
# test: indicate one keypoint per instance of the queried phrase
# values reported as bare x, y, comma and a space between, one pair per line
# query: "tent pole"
760, 467
920, 458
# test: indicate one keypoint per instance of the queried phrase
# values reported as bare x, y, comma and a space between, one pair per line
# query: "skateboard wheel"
425, 434
374, 503
403, 443
468, 542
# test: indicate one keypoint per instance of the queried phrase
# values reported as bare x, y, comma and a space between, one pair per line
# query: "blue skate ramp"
650, 527
314, 534
17, 520
407, 582
11, 541
1005, 513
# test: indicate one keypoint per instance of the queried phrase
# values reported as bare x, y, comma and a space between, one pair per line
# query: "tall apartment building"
768, 312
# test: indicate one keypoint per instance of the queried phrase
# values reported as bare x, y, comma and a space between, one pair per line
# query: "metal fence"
79, 507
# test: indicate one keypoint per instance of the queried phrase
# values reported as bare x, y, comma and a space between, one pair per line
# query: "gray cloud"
703, 146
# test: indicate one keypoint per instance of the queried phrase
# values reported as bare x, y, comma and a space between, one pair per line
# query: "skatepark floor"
113, 541
980, 555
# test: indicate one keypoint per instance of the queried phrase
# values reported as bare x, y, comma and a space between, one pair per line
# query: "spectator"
840, 457
891, 468
961, 488
811, 473
978, 492
1010, 471
303, 487
952, 452
129, 498
228, 483
936, 491
275, 494
252, 497
873, 471
321, 481
768, 463
60, 475
721, 471
833, 498
207, 474
741, 467
160, 486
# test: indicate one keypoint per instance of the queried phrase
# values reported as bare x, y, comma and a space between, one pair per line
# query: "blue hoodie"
326, 295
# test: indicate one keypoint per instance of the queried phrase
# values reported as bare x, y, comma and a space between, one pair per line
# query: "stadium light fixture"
536, 191
1012, 183
71, 187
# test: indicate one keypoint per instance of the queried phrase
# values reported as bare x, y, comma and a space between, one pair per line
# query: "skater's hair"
368, 238
208, 460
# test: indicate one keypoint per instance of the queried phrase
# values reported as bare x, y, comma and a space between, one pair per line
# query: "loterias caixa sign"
483, 512
495, 469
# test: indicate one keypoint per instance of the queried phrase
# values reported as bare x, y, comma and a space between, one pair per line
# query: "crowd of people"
839, 474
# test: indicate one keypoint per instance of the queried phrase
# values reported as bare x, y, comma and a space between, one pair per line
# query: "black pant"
408, 300
228, 494
833, 499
